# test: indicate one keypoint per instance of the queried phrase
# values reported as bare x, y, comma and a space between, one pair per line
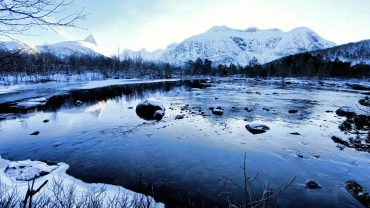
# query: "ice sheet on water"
27, 170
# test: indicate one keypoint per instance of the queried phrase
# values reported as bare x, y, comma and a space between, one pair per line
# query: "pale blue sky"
154, 24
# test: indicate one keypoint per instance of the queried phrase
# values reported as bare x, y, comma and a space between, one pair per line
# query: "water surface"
103, 140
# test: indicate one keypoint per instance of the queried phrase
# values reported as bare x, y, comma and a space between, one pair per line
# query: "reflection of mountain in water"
91, 97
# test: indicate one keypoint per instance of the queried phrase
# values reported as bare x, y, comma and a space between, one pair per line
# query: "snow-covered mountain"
65, 49
16, 46
223, 45
142, 54
356, 53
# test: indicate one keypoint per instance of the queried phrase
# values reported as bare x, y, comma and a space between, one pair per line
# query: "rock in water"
293, 111
35, 133
313, 185
150, 110
248, 109
295, 133
358, 192
218, 111
345, 111
158, 115
178, 117
365, 101
359, 87
257, 128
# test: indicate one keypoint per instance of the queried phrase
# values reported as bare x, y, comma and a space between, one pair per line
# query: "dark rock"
257, 128
266, 109
293, 111
158, 115
178, 117
313, 185
150, 110
358, 127
218, 111
359, 87
35, 133
46, 121
130, 107
340, 141
300, 156
329, 111
295, 133
358, 192
345, 111
248, 109
365, 101
185, 107
199, 84
49, 163
43, 173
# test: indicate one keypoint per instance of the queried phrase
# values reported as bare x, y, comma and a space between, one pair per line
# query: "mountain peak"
224, 45
252, 29
219, 29
91, 39
302, 29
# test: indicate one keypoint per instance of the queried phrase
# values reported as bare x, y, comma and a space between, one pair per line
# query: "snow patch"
32, 102
18, 180
27, 170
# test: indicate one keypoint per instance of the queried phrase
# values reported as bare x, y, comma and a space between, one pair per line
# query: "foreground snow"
15, 175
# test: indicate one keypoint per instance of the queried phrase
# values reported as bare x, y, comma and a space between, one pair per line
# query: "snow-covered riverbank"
17, 175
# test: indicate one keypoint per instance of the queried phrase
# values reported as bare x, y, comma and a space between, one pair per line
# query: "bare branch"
19, 16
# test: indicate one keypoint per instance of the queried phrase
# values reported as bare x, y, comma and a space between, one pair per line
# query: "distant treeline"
300, 65
15, 63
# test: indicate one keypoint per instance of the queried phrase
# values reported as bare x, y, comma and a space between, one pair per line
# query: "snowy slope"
355, 53
142, 54
223, 45
15, 46
68, 48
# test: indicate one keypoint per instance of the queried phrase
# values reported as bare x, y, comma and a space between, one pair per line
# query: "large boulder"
150, 110
257, 128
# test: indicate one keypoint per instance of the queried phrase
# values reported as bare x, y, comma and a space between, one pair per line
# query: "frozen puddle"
17, 175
